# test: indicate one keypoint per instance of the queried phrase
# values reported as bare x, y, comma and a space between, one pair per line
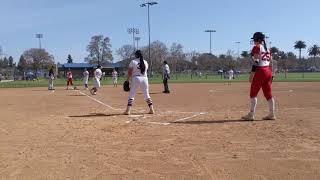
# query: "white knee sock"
253, 105
271, 106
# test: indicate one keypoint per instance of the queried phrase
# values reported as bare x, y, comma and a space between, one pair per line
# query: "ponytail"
265, 45
142, 65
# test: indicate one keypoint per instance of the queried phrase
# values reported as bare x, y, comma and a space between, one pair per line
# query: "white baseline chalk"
96, 100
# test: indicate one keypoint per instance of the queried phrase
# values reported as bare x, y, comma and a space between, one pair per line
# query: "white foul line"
96, 100
178, 120
190, 117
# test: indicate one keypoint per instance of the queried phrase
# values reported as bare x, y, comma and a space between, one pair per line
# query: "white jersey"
98, 74
166, 69
230, 72
85, 77
264, 55
86, 74
114, 74
135, 65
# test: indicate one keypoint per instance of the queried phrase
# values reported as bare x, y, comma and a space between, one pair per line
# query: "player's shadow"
102, 115
151, 93
96, 115
76, 95
40, 90
218, 122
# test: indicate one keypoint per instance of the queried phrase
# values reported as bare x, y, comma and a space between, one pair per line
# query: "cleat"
92, 92
128, 111
248, 117
270, 117
151, 110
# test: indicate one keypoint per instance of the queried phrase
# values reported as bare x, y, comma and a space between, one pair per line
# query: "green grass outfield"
178, 78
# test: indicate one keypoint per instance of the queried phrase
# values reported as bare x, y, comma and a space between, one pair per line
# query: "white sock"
271, 106
253, 105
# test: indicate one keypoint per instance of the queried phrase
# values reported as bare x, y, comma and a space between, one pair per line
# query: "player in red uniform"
69, 79
262, 77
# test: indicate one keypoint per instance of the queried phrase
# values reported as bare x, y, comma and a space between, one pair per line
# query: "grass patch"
176, 78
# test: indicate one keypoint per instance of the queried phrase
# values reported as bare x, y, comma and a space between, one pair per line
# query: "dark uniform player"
166, 77
51, 78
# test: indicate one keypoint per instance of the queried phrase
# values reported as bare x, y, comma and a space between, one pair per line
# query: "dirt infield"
195, 134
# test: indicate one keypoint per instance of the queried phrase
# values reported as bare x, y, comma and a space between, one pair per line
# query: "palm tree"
300, 45
314, 51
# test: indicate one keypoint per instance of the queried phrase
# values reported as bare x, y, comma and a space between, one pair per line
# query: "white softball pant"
50, 83
97, 83
85, 80
115, 80
142, 83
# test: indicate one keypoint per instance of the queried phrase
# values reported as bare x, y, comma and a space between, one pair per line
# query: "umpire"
166, 77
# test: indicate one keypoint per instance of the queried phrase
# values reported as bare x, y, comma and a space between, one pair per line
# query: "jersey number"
266, 56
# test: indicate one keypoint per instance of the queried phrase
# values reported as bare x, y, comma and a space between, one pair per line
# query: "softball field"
195, 134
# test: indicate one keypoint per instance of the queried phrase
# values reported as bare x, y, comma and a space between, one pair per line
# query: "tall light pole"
39, 36
148, 4
210, 31
238, 43
133, 31
137, 39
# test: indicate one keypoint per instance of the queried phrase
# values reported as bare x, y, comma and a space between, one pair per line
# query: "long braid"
142, 65
265, 45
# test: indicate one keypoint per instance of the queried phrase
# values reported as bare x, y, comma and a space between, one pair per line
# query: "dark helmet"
165, 62
99, 66
258, 36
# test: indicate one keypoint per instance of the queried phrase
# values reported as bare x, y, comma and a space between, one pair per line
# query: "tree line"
100, 52
181, 61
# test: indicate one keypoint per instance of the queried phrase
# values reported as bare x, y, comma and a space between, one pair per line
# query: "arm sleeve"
131, 64
255, 50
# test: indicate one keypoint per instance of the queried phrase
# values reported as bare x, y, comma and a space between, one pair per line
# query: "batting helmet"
258, 36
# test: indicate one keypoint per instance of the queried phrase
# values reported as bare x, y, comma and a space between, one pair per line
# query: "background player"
166, 77
230, 76
69, 79
85, 78
51, 78
97, 78
138, 74
115, 78
262, 77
